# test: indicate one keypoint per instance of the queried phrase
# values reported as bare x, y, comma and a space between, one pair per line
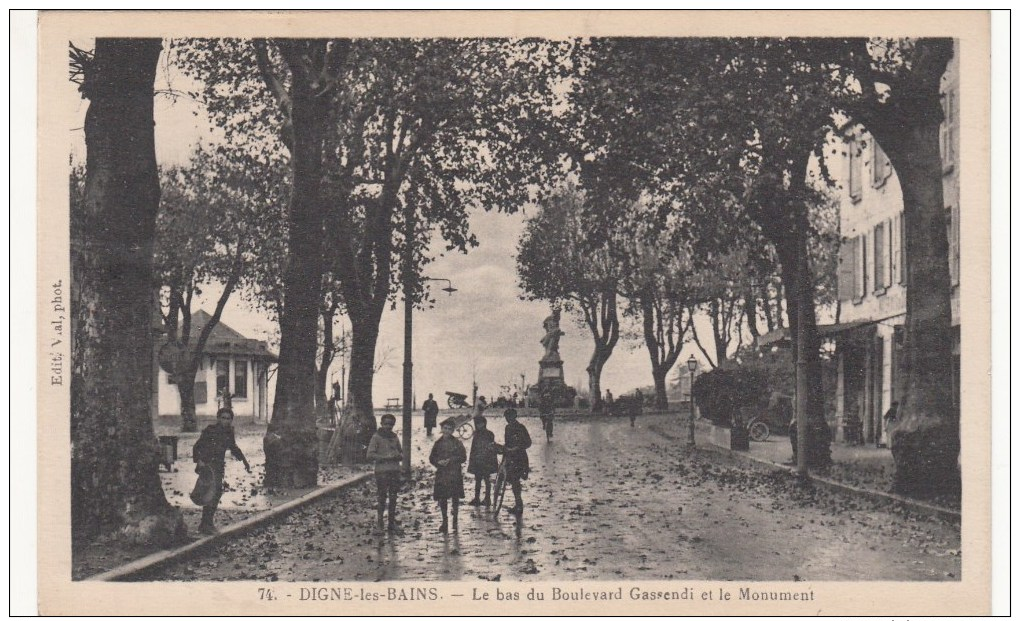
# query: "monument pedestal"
550, 382
550, 371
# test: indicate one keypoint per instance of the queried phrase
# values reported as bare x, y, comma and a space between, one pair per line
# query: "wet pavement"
604, 501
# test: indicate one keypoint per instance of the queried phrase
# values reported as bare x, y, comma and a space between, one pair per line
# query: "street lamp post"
408, 396
692, 366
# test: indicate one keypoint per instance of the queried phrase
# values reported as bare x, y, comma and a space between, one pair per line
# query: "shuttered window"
953, 232
894, 250
846, 269
241, 379
856, 169
948, 131
861, 268
903, 248
879, 262
881, 167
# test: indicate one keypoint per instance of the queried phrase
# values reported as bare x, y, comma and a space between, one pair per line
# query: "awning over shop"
781, 337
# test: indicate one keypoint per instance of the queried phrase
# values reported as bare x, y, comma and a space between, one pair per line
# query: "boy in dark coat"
482, 461
210, 452
384, 451
448, 456
516, 442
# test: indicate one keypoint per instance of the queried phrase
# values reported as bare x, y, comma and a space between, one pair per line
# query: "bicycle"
500, 487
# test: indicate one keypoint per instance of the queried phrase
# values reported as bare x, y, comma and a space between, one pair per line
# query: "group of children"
448, 456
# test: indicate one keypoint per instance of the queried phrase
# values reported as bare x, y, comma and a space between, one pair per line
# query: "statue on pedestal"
551, 340
550, 384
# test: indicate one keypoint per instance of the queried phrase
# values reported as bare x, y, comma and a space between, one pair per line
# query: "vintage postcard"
521, 312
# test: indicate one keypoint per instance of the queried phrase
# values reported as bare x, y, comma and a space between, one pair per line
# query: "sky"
482, 332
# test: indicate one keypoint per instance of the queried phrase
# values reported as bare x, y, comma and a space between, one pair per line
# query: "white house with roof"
230, 362
872, 277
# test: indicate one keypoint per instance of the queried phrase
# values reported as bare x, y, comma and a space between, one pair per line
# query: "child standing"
482, 462
384, 451
448, 456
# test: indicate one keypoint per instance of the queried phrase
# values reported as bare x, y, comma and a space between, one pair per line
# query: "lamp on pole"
408, 397
692, 366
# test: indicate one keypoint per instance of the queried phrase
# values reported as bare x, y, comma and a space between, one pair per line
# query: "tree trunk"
595, 365
926, 438
115, 485
601, 310
797, 281
659, 377
290, 442
357, 423
659, 367
186, 392
719, 331
751, 313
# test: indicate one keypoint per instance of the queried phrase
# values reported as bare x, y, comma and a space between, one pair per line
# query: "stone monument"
550, 367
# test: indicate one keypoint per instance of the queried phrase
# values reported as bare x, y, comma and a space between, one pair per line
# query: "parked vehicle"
456, 400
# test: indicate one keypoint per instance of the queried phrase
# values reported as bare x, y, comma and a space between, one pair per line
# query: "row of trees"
687, 154
659, 285
712, 153
384, 137
343, 146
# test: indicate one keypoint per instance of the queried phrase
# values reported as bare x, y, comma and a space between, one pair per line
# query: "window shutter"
954, 245
863, 268
881, 167
956, 242
846, 269
877, 262
903, 248
894, 250
889, 258
855, 169
201, 393
947, 130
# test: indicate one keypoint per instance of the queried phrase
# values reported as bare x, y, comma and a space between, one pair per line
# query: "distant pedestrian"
209, 454
635, 406
431, 409
545, 414
480, 406
610, 405
448, 456
516, 442
482, 461
890, 417
384, 451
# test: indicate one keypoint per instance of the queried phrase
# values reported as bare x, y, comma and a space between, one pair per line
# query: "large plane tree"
115, 485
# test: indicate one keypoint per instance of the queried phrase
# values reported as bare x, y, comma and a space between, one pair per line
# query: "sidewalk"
244, 502
865, 471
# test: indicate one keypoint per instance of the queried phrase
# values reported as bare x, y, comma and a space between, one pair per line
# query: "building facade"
872, 271
230, 362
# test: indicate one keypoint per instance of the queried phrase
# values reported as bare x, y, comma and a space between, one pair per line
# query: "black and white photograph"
534, 313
